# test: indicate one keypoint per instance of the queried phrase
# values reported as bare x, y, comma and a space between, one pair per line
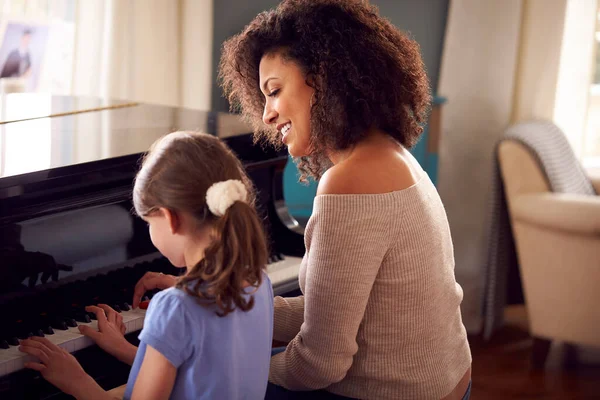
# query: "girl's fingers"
100, 316
39, 343
111, 315
48, 346
35, 366
36, 352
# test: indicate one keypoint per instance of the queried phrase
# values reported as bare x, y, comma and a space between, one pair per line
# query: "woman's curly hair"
365, 72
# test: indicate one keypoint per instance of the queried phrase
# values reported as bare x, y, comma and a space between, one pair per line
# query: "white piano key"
9, 366
284, 271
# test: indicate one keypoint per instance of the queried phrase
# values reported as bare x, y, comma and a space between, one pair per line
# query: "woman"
347, 93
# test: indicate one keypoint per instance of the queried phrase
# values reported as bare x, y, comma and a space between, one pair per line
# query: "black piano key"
70, 322
125, 306
4, 344
60, 324
82, 317
13, 341
38, 333
22, 329
116, 307
44, 322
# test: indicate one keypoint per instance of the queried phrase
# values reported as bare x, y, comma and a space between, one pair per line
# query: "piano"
68, 237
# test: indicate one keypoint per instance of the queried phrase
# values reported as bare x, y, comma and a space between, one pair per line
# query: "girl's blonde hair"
175, 174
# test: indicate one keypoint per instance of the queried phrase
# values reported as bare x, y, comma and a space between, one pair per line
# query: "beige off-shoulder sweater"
380, 316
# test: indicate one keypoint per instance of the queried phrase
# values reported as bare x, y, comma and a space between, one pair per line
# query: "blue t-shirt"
216, 357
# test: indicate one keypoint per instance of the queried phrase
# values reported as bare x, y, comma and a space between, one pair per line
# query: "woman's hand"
151, 280
57, 365
110, 334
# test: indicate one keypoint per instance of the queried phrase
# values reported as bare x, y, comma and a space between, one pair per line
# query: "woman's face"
288, 102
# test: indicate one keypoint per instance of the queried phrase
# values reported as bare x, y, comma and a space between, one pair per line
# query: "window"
591, 144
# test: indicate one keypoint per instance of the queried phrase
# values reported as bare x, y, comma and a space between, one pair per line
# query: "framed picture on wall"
22, 51
37, 54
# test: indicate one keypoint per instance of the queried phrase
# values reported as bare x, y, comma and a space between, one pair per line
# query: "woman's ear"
314, 81
173, 220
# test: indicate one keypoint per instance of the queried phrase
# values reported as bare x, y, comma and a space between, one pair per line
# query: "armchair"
557, 238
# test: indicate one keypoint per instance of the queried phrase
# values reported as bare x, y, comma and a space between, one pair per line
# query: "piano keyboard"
12, 359
283, 275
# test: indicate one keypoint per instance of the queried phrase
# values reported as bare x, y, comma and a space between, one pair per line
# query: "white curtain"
477, 76
503, 61
155, 51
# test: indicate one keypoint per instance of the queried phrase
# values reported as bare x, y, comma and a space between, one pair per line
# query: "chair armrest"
564, 212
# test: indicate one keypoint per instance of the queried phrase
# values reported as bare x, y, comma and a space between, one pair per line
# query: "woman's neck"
373, 141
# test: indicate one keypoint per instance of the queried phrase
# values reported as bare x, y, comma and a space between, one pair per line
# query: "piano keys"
68, 237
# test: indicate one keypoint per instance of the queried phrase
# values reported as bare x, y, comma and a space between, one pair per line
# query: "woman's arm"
287, 318
347, 241
156, 377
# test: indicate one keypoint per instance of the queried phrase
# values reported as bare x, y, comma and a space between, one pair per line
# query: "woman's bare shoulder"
369, 175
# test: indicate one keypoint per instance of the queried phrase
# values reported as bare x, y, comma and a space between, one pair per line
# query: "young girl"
209, 336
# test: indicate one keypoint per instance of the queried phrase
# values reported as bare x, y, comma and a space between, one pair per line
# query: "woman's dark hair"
176, 174
365, 72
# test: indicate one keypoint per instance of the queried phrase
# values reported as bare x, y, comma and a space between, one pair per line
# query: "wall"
230, 17
424, 20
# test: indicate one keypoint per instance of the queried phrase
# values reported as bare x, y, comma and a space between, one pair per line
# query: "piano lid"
42, 132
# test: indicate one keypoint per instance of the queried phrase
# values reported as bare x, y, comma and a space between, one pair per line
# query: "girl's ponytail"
235, 259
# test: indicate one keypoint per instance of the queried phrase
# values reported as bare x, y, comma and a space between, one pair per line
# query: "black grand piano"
68, 237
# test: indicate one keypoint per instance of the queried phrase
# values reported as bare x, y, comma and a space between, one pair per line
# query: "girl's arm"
156, 377
110, 334
60, 368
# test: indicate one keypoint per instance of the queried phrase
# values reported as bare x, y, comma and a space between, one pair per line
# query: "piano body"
68, 236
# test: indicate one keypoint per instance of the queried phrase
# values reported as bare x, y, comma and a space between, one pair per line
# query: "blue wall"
424, 20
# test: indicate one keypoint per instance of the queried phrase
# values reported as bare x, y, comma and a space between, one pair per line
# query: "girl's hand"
151, 280
57, 365
110, 334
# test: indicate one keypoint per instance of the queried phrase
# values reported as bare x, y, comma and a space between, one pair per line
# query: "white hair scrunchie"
221, 195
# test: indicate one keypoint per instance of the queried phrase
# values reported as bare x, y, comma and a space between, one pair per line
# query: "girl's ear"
173, 220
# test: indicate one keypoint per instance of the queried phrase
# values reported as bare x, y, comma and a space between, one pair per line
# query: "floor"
501, 367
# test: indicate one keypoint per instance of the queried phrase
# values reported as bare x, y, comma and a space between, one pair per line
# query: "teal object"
299, 197
429, 161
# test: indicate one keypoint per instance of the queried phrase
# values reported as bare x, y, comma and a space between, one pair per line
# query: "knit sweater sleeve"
288, 317
348, 237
